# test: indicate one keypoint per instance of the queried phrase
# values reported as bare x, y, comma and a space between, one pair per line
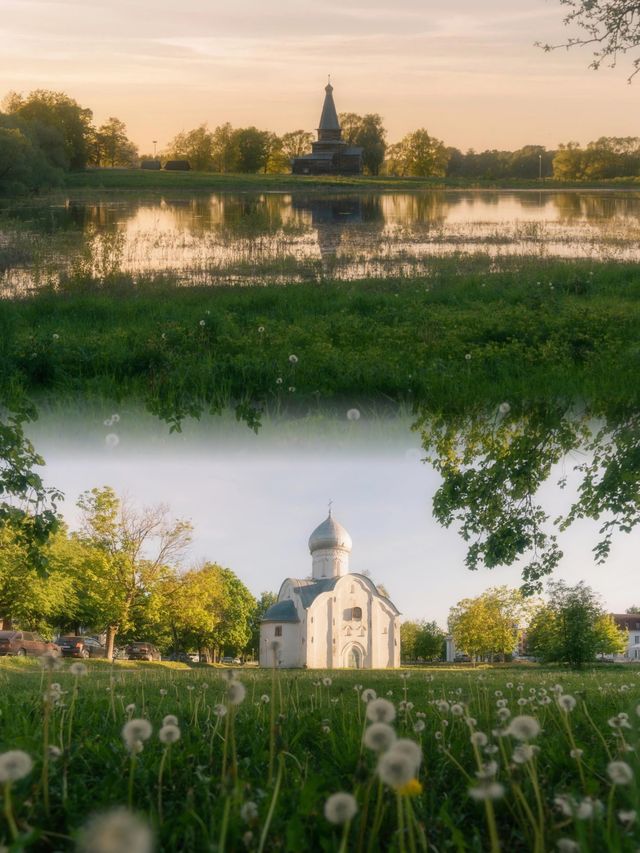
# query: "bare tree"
133, 551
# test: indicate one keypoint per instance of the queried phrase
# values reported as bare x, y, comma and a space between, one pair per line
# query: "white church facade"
334, 619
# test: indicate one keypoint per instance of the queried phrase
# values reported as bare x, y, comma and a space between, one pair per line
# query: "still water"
248, 238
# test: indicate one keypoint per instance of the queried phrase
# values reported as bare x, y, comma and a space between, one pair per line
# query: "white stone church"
334, 619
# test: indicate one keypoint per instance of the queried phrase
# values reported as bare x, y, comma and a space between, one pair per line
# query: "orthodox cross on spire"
330, 505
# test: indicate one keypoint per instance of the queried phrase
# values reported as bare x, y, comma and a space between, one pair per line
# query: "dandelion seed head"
78, 669
249, 812
368, 694
487, 790
566, 845
15, 765
504, 408
627, 816
169, 734
50, 661
411, 749
265, 699
293, 359
566, 702
620, 773
381, 711
524, 727
379, 737
353, 415
479, 739
419, 726
170, 720
395, 768
112, 440
136, 730
236, 693
219, 710
327, 681
340, 808
115, 831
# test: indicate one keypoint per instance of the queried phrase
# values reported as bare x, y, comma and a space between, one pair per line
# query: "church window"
278, 631
356, 613
353, 587
384, 630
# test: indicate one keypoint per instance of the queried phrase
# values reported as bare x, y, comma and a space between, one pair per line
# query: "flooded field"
270, 237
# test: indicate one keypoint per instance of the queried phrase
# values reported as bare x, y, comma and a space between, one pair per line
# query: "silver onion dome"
329, 534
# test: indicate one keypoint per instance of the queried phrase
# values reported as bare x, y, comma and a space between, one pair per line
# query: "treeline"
121, 574
45, 134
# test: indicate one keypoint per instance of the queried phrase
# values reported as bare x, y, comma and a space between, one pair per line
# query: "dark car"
142, 651
73, 646
25, 643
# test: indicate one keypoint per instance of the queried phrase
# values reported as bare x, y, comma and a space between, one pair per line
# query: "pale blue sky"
466, 70
255, 500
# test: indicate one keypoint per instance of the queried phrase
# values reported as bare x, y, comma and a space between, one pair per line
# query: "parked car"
231, 661
25, 643
142, 651
74, 646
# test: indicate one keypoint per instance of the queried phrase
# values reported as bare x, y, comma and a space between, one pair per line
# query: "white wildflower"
249, 812
395, 768
566, 702
368, 694
488, 790
78, 669
170, 720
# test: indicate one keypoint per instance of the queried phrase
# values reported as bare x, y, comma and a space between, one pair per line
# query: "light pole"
540, 167
155, 142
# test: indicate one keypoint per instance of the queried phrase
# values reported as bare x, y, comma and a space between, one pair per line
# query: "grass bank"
501, 759
142, 180
450, 341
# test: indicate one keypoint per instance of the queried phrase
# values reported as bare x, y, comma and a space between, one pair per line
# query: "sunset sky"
468, 71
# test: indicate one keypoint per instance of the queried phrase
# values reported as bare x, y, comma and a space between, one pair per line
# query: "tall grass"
488, 779
449, 341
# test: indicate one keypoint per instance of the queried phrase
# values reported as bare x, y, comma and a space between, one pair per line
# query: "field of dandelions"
134, 758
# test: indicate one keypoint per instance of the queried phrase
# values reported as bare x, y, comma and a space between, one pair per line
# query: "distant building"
333, 620
630, 624
330, 155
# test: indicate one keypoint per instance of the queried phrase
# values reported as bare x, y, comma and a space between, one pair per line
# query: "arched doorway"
353, 657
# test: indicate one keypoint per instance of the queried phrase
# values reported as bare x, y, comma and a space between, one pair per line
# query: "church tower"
329, 129
329, 546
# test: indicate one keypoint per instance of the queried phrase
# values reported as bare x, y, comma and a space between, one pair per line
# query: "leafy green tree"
196, 146
430, 641
417, 155
131, 553
250, 149
57, 110
32, 600
611, 28
569, 162
408, 639
233, 631
263, 603
572, 627
296, 143
113, 146
490, 624
369, 133
222, 147
23, 166
27, 507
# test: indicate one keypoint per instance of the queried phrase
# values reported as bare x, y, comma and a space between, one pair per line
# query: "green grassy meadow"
452, 341
295, 738
140, 179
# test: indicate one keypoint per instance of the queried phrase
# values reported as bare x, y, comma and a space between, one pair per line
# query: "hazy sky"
254, 500
467, 70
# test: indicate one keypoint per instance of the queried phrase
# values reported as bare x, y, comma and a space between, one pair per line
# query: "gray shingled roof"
329, 117
281, 611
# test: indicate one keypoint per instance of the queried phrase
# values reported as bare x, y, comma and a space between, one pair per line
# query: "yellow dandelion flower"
412, 788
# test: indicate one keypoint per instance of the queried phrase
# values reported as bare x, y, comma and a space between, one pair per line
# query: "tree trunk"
112, 630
